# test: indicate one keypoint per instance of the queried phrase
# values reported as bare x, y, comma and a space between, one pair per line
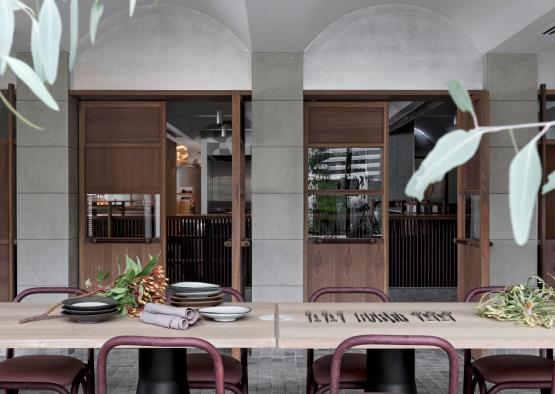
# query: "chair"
200, 372
505, 371
140, 341
398, 340
47, 372
353, 372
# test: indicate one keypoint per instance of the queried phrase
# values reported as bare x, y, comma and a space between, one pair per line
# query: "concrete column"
47, 187
277, 176
513, 84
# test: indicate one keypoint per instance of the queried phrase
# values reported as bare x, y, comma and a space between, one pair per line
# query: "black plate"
90, 312
69, 304
89, 319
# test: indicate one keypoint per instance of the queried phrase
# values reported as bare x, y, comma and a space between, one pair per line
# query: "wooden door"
473, 242
238, 217
122, 153
546, 202
7, 198
346, 196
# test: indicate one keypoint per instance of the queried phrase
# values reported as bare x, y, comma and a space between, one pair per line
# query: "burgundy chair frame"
310, 383
243, 386
399, 340
472, 377
85, 377
159, 342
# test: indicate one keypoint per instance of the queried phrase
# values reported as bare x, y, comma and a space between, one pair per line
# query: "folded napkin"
169, 316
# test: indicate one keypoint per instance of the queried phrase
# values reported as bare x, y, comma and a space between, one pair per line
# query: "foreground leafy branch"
46, 35
458, 147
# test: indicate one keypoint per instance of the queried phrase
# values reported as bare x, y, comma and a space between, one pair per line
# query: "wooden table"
249, 332
392, 370
160, 370
468, 332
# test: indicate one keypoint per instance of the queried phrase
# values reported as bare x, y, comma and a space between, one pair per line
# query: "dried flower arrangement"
135, 287
529, 305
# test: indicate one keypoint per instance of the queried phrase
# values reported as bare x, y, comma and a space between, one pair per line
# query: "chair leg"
467, 381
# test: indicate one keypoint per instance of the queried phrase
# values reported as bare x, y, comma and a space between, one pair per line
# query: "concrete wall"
163, 47
546, 68
392, 47
512, 80
47, 187
277, 176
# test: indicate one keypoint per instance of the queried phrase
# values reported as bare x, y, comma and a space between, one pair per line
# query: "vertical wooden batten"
238, 191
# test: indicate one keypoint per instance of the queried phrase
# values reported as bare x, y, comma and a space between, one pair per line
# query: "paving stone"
271, 371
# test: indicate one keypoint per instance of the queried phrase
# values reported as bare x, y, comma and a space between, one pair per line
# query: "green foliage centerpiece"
135, 287
528, 304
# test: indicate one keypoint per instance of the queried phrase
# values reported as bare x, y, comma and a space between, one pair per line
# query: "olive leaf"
30, 78
7, 29
451, 150
96, 13
525, 177
50, 28
73, 31
550, 185
35, 50
460, 96
132, 5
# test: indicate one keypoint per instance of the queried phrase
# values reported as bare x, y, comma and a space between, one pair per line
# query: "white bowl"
224, 313
195, 285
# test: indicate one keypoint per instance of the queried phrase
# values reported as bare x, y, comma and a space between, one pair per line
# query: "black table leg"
390, 370
162, 371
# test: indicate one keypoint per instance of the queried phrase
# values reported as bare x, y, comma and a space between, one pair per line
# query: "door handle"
245, 243
466, 242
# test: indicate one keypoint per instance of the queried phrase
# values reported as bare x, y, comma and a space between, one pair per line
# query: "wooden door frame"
483, 98
238, 164
415, 95
10, 95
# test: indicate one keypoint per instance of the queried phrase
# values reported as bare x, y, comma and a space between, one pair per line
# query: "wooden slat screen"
196, 250
422, 252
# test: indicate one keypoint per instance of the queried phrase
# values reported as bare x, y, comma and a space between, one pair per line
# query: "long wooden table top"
469, 331
250, 331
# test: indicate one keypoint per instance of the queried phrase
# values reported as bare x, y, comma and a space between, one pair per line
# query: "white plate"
89, 304
194, 285
197, 293
224, 313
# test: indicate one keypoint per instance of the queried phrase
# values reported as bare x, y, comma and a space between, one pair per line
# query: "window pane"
124, 216
345, 168
357, 216
472, 214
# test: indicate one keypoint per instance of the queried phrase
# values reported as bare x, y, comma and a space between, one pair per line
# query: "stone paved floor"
277, 371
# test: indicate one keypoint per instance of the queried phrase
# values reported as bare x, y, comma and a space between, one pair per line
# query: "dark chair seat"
200, 368
353, 368
503, 368
60, 370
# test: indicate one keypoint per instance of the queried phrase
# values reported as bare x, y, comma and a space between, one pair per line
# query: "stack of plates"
92, 309
195, 294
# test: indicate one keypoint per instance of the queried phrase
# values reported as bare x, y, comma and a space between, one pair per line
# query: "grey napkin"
169, 316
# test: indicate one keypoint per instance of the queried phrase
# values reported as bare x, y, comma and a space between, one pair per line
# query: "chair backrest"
399, 340
481, 291
44, 290
348, 290
232, 292
48, 290
140, 341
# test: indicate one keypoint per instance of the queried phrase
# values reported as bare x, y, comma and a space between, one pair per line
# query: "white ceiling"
290, 25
